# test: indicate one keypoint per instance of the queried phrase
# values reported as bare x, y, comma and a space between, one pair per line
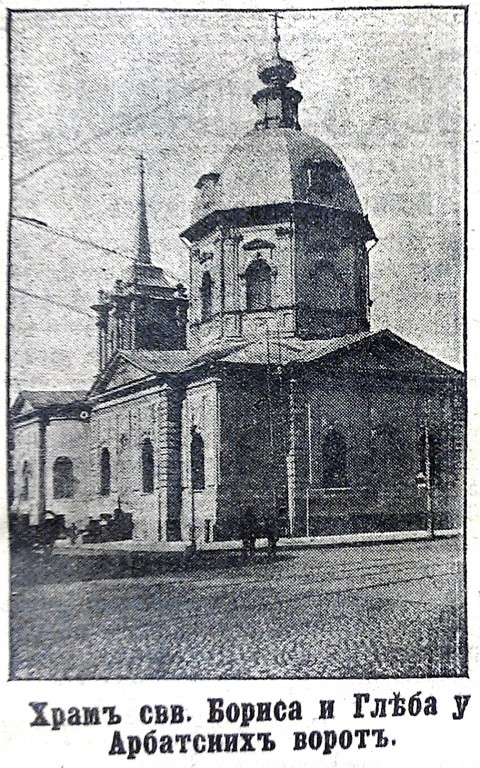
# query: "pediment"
385, 352
26, 408
126, 373
21, 407
120, 373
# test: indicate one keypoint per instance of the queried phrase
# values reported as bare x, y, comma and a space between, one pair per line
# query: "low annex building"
274, 396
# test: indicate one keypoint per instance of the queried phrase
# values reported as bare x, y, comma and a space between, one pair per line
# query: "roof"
164, 361
289, 350
383, 349
381, 352
150, 275
30, 400
51, 398
269, 167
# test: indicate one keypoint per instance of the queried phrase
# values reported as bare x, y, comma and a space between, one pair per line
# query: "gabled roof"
29, 400
130, 366
380, 352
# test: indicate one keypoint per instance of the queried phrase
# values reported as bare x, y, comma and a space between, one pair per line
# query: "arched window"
105, 472
26, 473
206, 292
323, 177
147, 466
334, 460
197, 458
62, 478
259, 285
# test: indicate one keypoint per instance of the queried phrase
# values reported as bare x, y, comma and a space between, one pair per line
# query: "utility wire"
82, 241
62, 155
63, 304
121, 127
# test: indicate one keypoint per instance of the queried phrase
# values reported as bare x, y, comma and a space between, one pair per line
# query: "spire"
143, 252
277, 103
276, 35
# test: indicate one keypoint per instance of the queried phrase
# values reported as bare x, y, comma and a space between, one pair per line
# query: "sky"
91, 90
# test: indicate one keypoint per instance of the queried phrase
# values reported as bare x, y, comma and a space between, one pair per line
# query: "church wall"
330, 279
170, 436
279, 259
205, 256
325, 404
382, 424
27, 448
254, 429
200, 410
121, 426
68, 438
156, 324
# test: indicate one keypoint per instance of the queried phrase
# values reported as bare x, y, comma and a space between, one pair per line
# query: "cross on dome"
276, 36
277, 103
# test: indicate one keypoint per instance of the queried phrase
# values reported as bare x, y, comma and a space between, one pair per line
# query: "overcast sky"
92, 89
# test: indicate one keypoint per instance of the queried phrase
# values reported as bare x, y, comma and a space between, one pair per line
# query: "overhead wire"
56, 302
44, 226
107, 132
62, 155
38, 224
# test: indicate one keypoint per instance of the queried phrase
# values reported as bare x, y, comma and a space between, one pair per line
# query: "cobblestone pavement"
389, 610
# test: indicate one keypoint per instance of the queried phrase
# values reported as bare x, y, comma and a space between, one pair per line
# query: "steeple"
277, 104
143, 247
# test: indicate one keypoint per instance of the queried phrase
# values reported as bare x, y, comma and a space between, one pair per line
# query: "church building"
262, 389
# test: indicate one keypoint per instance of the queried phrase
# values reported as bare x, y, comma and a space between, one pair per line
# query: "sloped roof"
164, 361
283, 351
150, 275
54, 397
381, 351
30, 400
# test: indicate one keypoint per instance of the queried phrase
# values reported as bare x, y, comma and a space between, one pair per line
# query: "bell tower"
144, 311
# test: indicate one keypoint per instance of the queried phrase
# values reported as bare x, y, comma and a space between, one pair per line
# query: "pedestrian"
248, 533
272, 533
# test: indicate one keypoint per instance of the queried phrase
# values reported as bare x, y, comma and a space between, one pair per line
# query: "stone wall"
254, 442
68, 438
331, 275
27, 448
121, 425
200, 411
236, 250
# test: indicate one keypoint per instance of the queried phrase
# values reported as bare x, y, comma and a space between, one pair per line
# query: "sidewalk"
64, 547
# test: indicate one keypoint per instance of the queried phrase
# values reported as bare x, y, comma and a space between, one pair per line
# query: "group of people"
116, 527
253, 527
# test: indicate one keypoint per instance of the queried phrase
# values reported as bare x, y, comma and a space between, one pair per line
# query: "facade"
50, 455
275, 398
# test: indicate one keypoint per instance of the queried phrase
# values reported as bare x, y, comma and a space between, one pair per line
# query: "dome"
280, 165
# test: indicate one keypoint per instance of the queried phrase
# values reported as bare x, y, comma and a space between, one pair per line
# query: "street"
383, 610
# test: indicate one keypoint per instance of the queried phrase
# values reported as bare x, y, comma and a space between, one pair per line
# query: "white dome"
270, 166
